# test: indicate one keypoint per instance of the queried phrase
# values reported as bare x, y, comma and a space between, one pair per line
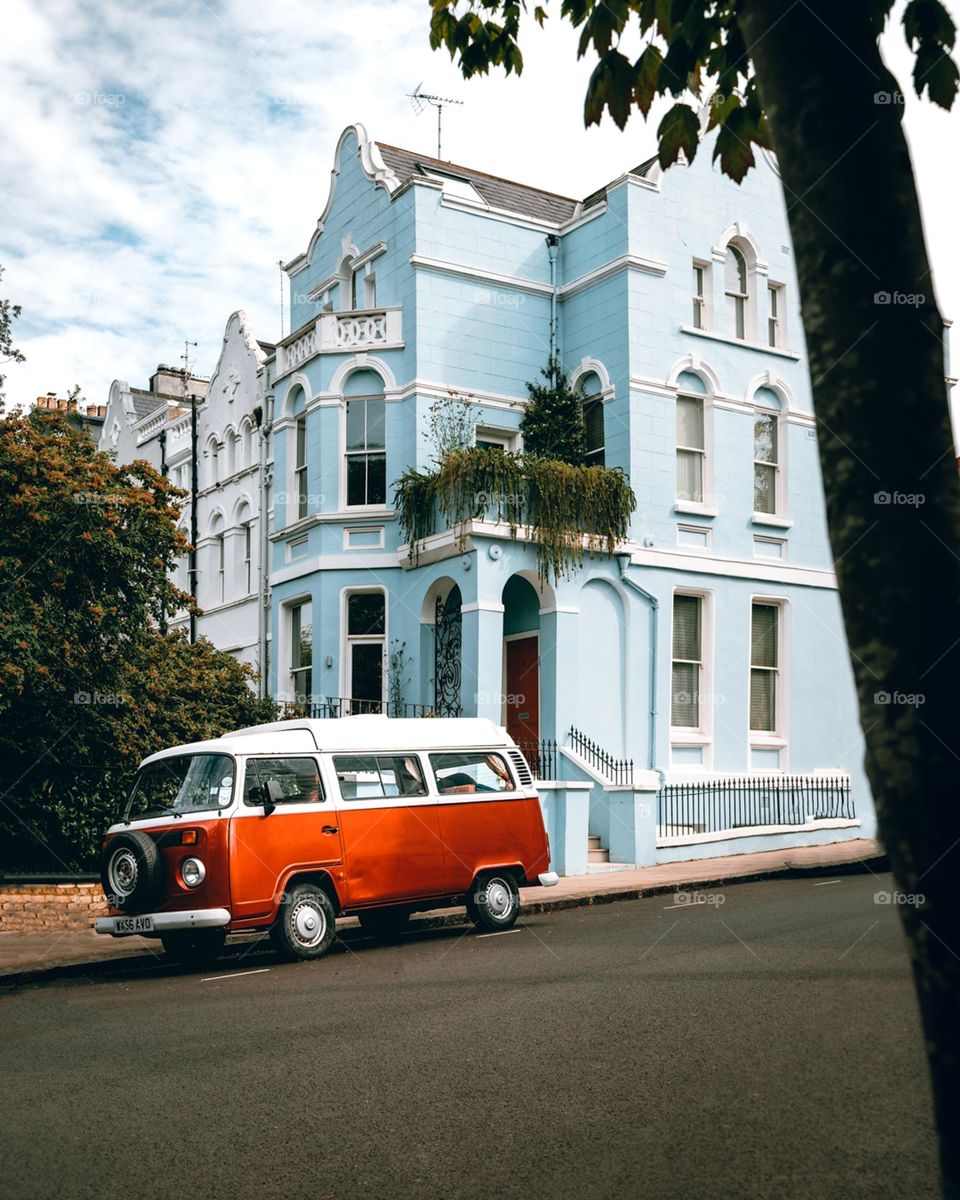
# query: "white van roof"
377, 732
350, 735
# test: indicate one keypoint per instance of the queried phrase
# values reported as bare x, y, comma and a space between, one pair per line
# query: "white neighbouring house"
155, 425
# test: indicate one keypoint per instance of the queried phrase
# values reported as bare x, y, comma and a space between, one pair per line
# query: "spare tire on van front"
131, 872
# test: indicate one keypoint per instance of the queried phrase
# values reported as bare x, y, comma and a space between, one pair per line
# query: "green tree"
809, 80
552, 424
8, 352
87, 683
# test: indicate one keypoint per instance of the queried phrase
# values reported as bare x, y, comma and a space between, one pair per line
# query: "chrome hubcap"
309, 923
499, 898
123, 872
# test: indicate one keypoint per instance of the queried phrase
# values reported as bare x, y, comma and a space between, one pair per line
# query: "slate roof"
144, 403
497, 192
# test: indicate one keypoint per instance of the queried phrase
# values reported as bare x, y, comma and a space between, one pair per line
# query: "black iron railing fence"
746, 801
616, 770
343, 706
541, 755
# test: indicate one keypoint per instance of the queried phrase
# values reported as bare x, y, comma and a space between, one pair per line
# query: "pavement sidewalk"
25, 957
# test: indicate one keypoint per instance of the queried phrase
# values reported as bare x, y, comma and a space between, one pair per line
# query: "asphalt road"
764, 1046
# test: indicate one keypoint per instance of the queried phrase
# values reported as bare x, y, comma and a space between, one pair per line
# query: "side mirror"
274, 795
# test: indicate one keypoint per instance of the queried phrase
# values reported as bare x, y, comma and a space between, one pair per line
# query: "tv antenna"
185, 356
421, 99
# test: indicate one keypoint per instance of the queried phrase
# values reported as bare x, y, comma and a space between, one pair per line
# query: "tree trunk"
875, 344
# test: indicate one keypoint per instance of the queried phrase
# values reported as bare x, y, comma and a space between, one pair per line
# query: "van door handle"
330, 829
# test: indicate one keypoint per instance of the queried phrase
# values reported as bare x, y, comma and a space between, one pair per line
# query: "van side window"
471, 771
298, 777
369, 776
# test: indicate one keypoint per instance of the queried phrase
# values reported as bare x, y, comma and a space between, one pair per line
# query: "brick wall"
38, 907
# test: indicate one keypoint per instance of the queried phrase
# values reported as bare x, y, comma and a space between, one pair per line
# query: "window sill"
680, 737
772, 520
734, 341
695, 508
760, 741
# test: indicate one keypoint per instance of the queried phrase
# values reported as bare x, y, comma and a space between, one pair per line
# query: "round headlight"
192, 872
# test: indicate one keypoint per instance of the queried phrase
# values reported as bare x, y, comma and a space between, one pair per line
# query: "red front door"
523, 688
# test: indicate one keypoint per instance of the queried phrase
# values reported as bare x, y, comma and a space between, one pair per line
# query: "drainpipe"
623, 561
553, 250
265, 421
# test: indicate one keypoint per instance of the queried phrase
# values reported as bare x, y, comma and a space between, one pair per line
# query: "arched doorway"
447, 653
521, 659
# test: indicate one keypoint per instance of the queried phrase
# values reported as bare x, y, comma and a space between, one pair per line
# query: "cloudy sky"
158, 158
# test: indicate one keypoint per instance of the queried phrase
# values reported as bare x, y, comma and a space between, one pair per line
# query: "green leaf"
734, 148
679, 130
646, 75
611, 88
928, 21
936, 71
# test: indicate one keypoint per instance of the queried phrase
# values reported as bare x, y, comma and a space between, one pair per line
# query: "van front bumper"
548, 879
198, 918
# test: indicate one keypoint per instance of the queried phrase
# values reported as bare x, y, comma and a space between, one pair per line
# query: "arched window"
693, 466
232, 443
215, 466
365, 453
216, 557
768, 480
736, 289
298, 504
590, 390
691, 448
350, 281
245, 456
243, 564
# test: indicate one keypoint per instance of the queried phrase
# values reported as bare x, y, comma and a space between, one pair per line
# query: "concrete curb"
599, 894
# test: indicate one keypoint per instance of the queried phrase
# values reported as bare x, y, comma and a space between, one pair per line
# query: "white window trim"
355, 510
777, 739
286, 683
509, 439
702, 737
781, 318
778, 517
346, 640
298, 470
706, 308
707, 507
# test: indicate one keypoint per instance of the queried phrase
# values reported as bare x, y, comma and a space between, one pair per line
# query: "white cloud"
201, 134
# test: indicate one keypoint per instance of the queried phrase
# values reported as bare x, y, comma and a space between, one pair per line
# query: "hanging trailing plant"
566, 511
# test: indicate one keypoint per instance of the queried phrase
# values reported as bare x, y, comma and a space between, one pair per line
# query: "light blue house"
709, 649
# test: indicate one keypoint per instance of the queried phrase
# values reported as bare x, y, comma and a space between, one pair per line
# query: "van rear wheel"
194, 947
307, 923
494, 901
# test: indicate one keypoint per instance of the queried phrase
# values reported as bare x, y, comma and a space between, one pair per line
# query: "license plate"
133, 925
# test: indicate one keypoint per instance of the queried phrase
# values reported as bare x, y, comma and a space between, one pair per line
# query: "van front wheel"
307, 922
494, 901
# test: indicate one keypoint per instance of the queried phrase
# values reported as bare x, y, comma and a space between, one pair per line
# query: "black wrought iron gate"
448, 638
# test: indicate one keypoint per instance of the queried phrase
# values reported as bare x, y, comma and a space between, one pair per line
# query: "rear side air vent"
521, 768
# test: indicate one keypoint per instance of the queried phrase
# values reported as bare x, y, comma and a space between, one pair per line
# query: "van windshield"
186, 783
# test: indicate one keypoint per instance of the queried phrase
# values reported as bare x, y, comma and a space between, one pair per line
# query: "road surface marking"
235, 975
827, 882
499, 933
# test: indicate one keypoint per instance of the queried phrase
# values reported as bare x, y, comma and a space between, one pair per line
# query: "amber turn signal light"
188, 837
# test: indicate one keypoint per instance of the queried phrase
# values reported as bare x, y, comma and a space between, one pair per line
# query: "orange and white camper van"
284, 827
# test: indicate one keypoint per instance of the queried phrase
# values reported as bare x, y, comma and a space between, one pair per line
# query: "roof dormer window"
457, 187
